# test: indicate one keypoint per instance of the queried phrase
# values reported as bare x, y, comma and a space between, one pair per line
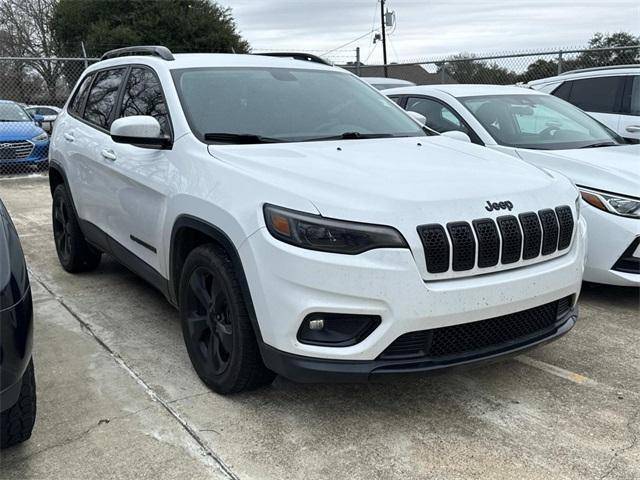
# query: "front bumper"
39, 155
610, 236
316, 370
288, 283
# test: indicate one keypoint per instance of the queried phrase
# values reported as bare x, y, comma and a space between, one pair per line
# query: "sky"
428, 28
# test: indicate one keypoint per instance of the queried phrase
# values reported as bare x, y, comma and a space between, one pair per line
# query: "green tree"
181, 25
609, 57
464, 68
539, 69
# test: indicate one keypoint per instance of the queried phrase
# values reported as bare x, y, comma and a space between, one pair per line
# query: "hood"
368, 180
14, 281
613, 169
13, 131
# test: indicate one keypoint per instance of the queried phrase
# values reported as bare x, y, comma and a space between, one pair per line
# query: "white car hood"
613, 169
391, 178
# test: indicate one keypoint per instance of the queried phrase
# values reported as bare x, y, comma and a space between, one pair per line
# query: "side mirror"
418, 117
38, 119
457, 135
139, 130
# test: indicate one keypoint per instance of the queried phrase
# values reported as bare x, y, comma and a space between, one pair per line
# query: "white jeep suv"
304, 224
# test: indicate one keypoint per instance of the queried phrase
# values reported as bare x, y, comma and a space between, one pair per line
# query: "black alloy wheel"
209, 320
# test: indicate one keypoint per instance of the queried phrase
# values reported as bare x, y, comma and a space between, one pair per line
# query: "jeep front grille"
482, 337
15, 150
434, 238
532, 235
549, 231
488, 242
507, 241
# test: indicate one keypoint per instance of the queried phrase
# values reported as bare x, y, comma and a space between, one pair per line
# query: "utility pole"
384, 38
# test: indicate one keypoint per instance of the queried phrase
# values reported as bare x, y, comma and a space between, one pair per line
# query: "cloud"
430, 28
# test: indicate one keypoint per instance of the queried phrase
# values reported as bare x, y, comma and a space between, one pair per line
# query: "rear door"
99, 205
630, 118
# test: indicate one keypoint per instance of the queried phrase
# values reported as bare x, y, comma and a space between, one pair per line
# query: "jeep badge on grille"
498, 206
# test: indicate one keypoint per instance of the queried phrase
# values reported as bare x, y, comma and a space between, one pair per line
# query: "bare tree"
25, 31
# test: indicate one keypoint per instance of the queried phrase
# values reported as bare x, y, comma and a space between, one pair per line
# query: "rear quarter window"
103, 96
80, 96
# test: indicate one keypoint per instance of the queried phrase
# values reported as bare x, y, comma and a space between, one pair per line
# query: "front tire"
74, 253
216, 327
16, 423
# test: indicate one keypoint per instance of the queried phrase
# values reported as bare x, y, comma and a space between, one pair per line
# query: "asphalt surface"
117, 397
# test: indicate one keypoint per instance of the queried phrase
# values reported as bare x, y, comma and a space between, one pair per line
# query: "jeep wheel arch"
189, 232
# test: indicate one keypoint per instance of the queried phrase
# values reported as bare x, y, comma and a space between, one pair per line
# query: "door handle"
69, 137
633, 128
109, 154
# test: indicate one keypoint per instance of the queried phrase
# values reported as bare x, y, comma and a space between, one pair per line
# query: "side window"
81, 95
563, 91
439, 117
102, 98
396, 99
596, 94
143, 96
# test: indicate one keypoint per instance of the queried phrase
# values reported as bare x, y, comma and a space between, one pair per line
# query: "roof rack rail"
153, 50
595, 69
308, 57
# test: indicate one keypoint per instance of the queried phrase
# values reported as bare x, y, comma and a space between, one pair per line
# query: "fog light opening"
336, 329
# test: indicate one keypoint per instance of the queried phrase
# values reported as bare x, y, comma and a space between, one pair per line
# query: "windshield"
10, 112
541, 122
281, 104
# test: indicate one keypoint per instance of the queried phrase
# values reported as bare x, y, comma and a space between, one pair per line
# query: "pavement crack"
611, 466
190, 430
188, 397
73, 439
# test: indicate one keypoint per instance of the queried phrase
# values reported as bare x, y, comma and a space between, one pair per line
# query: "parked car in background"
17, 380
384, 83
22, 142
554, 135
46, 114
332, 240
611, 95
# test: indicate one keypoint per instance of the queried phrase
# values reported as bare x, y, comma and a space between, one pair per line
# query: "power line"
371, 52
348, 43
373, 29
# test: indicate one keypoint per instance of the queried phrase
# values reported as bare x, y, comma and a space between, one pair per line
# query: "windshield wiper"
350, 136
601, 144
240, 138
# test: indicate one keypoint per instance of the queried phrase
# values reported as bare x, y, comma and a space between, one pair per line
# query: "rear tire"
16, 423
216, 327
74, 253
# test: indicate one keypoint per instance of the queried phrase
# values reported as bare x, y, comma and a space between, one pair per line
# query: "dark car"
17, 380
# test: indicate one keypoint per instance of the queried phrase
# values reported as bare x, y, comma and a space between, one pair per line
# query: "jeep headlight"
40, 138
612, 203
328, 235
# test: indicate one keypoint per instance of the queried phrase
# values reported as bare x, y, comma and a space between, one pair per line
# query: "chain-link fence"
32, 90
505, 69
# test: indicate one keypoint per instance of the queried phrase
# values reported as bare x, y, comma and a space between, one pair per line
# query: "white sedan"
554, 135
47, 115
